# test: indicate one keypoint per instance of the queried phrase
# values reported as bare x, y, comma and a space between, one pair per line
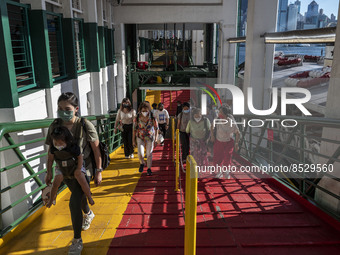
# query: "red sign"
270, 134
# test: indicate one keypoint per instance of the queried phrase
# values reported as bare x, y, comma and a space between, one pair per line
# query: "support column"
227, 52
259, 57
332, 111
121, 61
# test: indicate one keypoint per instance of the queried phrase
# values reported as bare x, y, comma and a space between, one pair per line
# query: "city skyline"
329, 6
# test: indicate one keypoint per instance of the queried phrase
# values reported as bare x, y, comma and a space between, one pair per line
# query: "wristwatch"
99, 170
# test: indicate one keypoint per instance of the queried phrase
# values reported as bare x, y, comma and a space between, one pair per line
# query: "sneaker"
149, 173
76, 247
127, 156
132, 156
141, 168
87, 219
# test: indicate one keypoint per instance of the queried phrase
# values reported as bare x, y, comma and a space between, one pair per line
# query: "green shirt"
198, 130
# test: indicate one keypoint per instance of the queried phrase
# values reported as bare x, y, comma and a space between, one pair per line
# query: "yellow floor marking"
51, 232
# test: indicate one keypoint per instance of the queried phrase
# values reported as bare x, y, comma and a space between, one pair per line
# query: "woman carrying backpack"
126, 115
199, 129
221, 135
87, 140
145, 133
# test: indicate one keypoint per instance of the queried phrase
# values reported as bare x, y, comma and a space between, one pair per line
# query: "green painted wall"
40, 48
69, 48
91, 47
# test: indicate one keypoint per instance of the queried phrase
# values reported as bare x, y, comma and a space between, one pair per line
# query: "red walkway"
241, 216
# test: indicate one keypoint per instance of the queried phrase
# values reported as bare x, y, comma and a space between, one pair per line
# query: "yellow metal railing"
190, 207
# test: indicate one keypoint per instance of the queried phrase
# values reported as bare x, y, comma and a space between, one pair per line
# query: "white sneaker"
87, 219
76, 247
132, 156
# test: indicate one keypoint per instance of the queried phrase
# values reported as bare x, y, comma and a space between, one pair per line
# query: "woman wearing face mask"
145, 132
199, 129
221, 135
126, 115
162, 117
67, 112
183, 120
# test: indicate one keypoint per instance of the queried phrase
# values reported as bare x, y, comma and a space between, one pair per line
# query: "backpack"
104, 152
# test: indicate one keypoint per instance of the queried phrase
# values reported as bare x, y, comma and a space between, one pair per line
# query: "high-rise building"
312, 13
292, 17
282, 16
332, 17
298, 4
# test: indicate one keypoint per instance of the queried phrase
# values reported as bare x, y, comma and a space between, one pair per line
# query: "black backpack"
104, 152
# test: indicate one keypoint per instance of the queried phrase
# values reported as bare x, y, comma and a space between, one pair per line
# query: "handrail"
296, 146
190, 207
8, 131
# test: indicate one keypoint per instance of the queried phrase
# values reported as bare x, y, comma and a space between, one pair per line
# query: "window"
56, 46
113, 45
76, 5
21, 45
79, 45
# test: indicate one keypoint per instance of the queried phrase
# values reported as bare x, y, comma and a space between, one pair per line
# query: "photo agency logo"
238, 104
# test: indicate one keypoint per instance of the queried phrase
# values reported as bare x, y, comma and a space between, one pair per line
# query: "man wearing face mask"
199, 129
183, 119
162, 117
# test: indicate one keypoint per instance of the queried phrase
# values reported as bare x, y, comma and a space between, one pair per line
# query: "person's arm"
50, 159
98, 159
167, 118
156, 129
55, 185
117, 121
179, 121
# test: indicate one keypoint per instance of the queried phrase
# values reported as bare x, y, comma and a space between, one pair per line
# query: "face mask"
198, 119
186, 111
179, 105
59, 148
65, 115
145, 114
125, 105
161, 109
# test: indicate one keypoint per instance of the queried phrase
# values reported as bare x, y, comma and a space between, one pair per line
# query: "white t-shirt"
161, 116
224, 131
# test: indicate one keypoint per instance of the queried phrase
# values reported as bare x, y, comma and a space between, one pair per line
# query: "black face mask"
161, 109
125, 105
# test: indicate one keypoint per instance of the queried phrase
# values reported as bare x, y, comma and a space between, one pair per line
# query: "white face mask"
60, 147
198, 119
145, 114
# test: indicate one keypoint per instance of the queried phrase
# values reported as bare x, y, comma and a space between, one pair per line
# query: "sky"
328, 6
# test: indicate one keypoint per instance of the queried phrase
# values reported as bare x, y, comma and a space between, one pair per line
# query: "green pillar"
91, 47
69, 48
41, 48
110, 45
101, 36
9, 92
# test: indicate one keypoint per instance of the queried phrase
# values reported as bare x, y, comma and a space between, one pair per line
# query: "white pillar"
121, 61
261, 18
332, 111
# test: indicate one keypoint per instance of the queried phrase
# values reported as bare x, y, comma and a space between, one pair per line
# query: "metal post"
177, 160
190, 207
